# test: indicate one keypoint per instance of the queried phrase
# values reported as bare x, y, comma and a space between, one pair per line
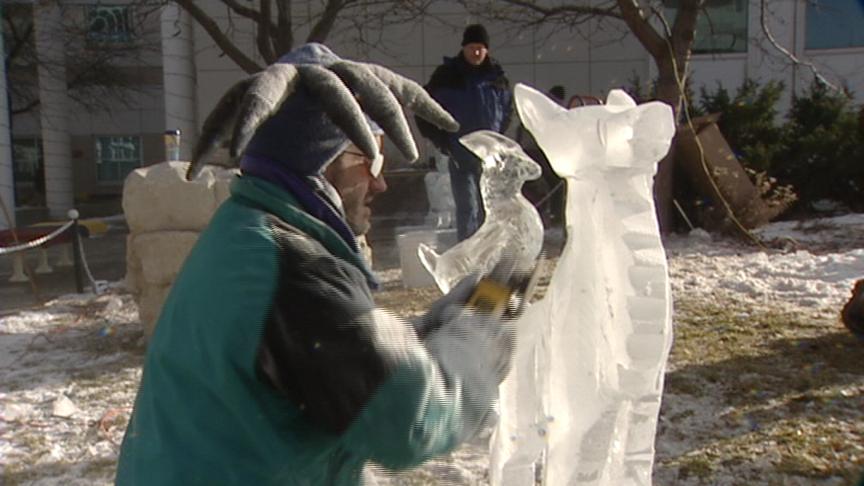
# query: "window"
833, 24
26, 160
720, 28
27, 167
109, 24
116, 157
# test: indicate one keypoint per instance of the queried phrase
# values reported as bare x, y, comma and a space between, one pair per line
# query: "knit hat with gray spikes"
303, 110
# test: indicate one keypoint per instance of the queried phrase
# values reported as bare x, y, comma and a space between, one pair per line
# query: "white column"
54, 105
7, 186
178, 70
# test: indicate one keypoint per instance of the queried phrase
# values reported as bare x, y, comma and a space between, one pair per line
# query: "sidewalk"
106, 257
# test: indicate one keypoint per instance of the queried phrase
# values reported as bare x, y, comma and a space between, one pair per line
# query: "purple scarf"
313, 200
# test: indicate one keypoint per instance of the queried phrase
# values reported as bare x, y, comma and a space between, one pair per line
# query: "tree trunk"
669, 92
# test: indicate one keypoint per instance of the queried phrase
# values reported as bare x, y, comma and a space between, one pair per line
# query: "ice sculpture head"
619, 134
505, 165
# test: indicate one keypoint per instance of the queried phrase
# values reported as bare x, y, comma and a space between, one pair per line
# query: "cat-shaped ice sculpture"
511, 222
584, 392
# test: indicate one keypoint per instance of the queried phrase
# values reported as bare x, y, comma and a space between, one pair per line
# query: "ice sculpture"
441, 205
512, 224
582, 400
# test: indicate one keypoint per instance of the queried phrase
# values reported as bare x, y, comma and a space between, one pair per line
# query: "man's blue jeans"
465, 182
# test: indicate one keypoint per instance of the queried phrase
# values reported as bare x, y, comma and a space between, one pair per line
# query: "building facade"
58, 155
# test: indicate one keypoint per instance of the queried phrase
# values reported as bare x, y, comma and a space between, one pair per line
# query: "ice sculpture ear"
618, 97
654, 130
548, 123
535, 109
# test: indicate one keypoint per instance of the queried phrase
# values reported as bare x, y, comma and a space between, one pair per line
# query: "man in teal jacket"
270, 363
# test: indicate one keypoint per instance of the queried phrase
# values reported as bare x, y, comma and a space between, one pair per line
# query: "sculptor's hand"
457, 296
474, 350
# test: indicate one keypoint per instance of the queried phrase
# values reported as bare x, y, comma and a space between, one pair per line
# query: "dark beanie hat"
475, 33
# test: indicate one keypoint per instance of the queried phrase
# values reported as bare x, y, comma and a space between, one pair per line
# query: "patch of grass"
698, 466
103, 467
97, 471
406, 301
789, 393
758, 353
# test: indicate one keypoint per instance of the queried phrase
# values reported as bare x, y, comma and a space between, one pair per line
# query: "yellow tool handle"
490, 297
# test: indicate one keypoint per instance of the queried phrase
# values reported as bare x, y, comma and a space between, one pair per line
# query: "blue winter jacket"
479, 97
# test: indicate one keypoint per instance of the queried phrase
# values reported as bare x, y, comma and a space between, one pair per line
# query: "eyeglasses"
375, 164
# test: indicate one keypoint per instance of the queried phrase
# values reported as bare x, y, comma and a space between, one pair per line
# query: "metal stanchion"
76, 251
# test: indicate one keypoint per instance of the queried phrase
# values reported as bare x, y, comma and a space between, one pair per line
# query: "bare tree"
277, 27
96, 74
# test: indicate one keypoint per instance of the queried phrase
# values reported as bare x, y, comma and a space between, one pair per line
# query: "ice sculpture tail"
429, 258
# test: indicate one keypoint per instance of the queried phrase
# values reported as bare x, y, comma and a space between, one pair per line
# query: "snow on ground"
826, 257
69, 369
68, 375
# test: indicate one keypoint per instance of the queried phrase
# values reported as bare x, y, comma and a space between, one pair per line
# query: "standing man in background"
471, 86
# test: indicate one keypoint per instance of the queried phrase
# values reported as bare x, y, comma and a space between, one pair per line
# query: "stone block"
150, 302
158, 197
162, 253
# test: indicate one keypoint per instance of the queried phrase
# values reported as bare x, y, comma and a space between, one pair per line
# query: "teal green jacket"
270, 364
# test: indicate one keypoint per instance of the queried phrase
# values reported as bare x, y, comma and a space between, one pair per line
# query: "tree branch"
243, 11
763, 21
565, 10
246, 63
322, 28
284, 38
24, 109
684, 29
263, 37
20, 39
637, 22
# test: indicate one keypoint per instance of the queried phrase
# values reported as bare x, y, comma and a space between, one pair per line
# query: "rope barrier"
37, 242
98, 286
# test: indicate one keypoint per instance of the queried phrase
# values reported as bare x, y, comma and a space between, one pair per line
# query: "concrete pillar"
7, 183
53, 107
179, 78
